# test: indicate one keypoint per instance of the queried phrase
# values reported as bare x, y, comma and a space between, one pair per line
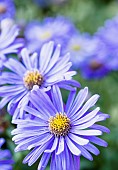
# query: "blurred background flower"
5, 157
58, 29
7, 9
9, 41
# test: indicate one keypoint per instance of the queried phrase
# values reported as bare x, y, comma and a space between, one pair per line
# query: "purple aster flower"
7, 9
8, 40
81, 48
96, 66
94, 69
60, 132
58, 29
5, 157
107, 34
44, 71
88, 54
104, 56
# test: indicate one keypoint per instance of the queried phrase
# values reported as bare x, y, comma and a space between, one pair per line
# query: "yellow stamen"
59, 125
76, 47
32, 78
45, 35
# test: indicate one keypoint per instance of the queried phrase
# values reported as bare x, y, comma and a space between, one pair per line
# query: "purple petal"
54, 146
72, 147
60, 146
79, 100
26, 58
86, 132
57, 98
45, 55
77, 139
44, 161
70, 101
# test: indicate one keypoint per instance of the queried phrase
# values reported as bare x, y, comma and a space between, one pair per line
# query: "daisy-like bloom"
81, 48
58, 29
5, 158
88, 55
60, 132
96, 66
107, 34
7, 9
44, 71
9, 43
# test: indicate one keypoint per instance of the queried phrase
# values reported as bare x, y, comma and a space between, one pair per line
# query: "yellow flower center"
59, 125
2, 8
76, 47
46, 35
32, 78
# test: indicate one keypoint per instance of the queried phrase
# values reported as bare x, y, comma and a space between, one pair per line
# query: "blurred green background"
87, 15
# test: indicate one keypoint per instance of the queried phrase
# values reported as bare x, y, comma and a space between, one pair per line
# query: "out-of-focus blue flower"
9, 43
44, 71
105, 56
96, 56
7, 9
5, 157
60, 132
97, 65
58, 29
88, 54
81, 48
108, 35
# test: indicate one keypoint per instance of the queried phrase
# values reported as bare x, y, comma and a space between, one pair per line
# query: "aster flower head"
107, 34
5, 158
81, 48
60, 132
7, 9
58, 29
96, 66
9, 43
105, 57
91, 59
44, 71
109, 31
88, 54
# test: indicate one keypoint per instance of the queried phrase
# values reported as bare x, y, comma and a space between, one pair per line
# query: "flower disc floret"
32, 78
59, 125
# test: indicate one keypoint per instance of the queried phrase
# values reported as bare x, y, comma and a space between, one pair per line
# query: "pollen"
59, 125
32, 78
46, 35
76, 47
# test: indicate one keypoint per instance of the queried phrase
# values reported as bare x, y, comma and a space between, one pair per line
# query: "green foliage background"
87, 15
